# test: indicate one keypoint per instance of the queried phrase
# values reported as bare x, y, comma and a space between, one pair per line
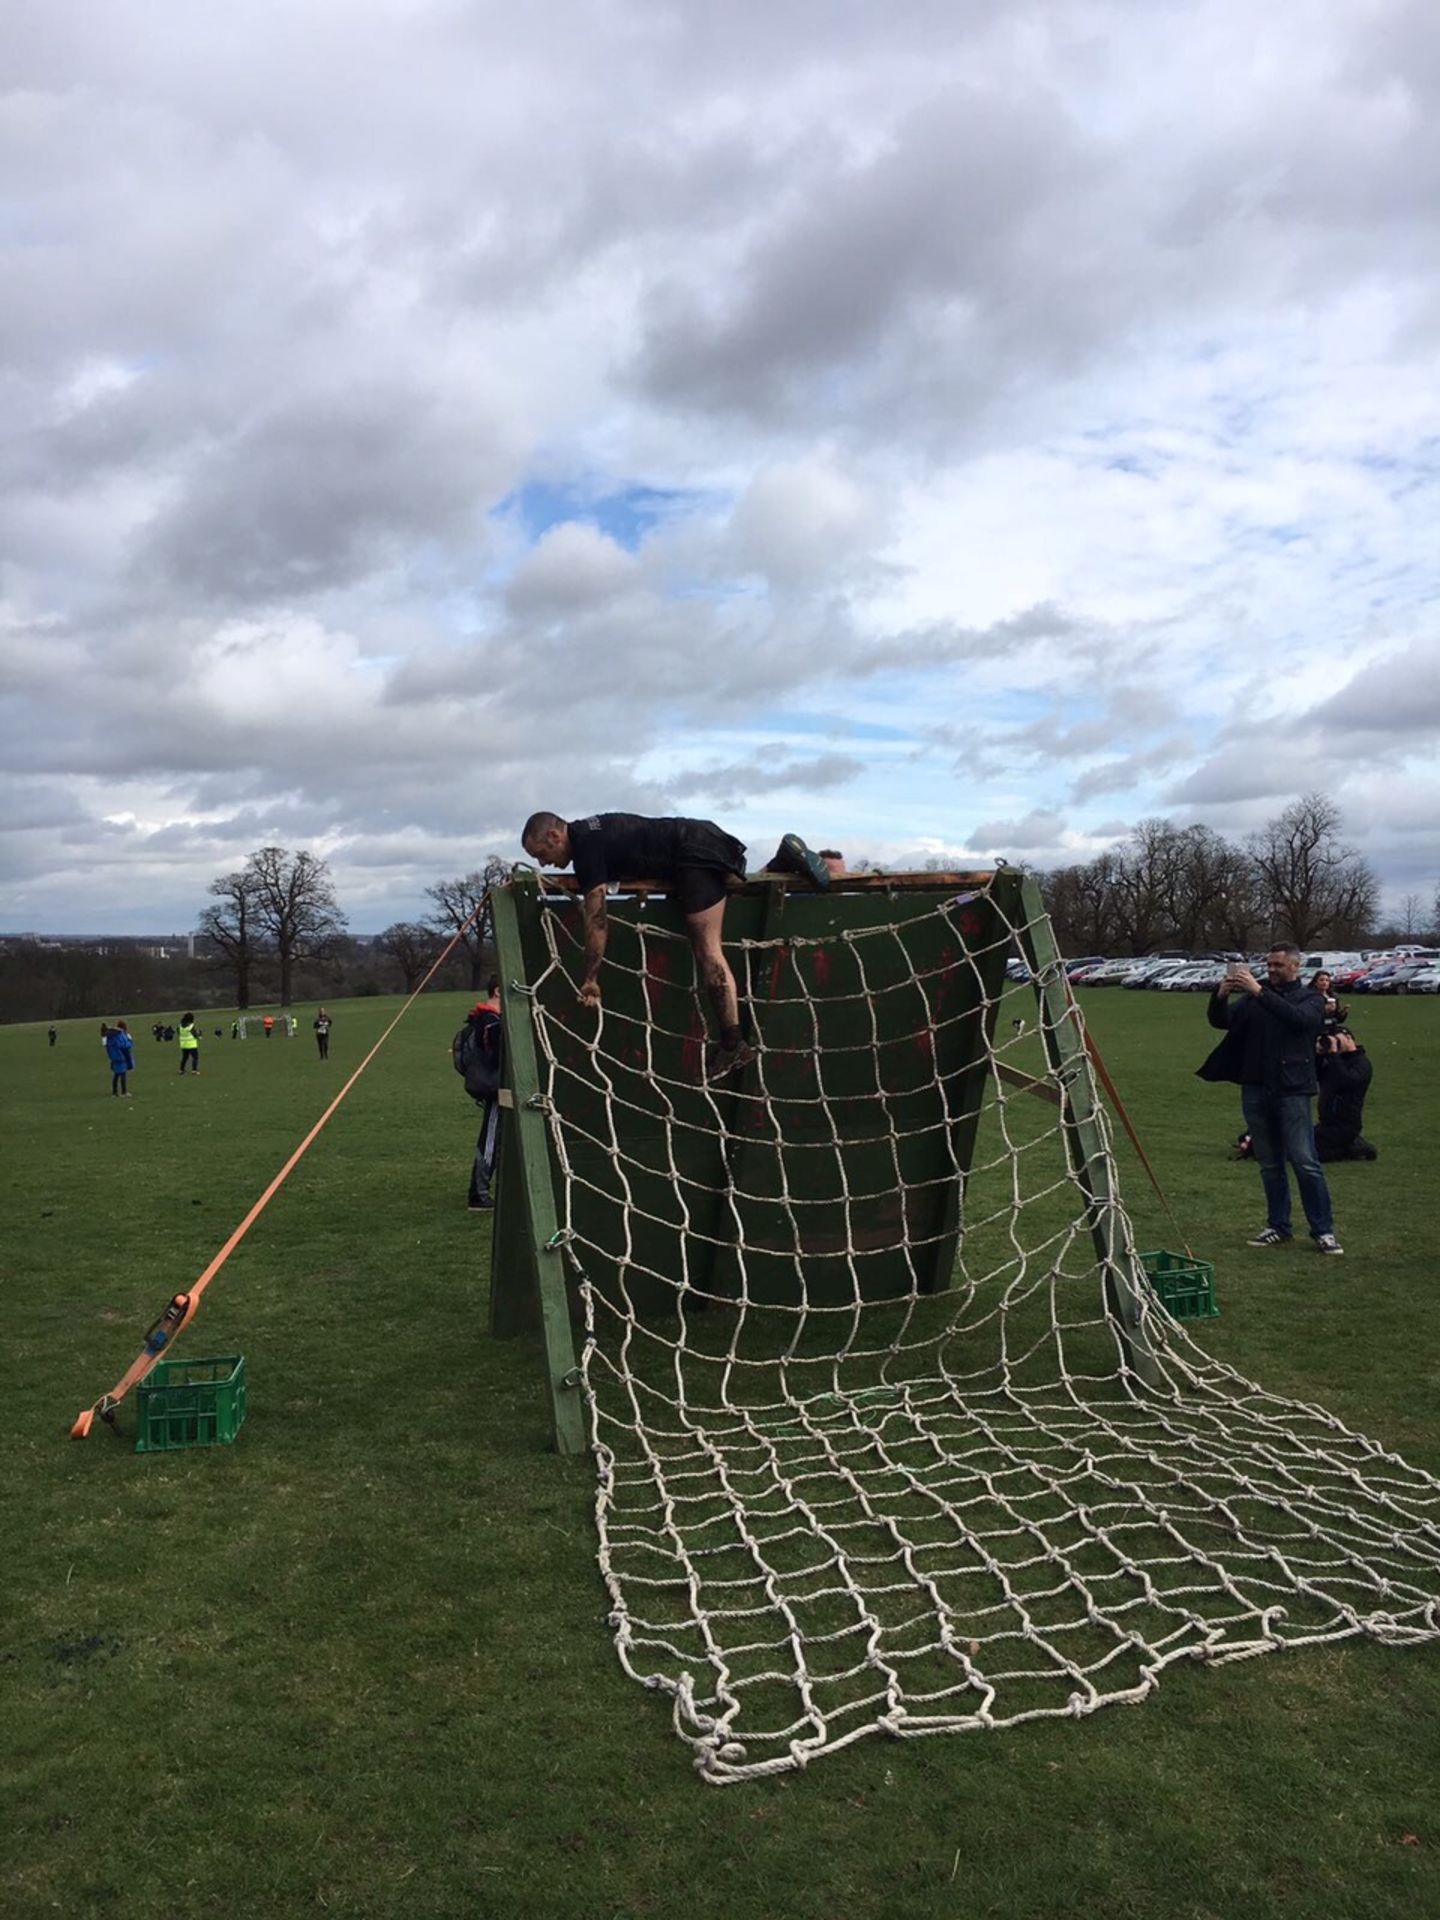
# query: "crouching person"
1345, 1074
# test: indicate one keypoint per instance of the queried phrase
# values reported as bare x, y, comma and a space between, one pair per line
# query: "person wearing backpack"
477, 1054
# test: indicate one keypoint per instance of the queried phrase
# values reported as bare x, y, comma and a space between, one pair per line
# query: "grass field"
357, 1664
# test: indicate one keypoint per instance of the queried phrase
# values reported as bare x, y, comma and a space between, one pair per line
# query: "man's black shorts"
708, 857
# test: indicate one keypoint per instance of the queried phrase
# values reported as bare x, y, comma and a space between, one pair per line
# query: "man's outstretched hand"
590, 994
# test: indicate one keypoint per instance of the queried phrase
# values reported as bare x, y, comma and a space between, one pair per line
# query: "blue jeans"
1281, 1129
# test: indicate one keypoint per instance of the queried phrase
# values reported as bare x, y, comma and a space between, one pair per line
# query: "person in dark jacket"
1269, 1053
477, 1051
1345, 1074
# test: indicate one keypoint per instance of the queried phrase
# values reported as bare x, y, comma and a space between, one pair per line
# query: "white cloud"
1037, 405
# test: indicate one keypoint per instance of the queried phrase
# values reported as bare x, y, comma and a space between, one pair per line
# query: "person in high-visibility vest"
189, 1043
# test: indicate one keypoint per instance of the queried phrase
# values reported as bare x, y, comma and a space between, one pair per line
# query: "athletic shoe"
721, 1060
482, 1206
1269, 1237
793, 856
1327, 1243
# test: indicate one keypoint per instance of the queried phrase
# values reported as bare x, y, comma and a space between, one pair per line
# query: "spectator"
477, 1054
268, 1023
1269, 1051
1335, 1014
189, 1043
834, 862
120, 1051
322, 1033
54, 1036
1345, 1074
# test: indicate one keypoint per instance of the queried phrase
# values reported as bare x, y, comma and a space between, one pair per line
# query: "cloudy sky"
961, 426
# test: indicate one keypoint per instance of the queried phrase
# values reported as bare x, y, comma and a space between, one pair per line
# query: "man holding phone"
1269, 1052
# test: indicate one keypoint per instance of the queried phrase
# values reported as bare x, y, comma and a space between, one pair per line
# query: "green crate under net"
191, 1403
1185, 1287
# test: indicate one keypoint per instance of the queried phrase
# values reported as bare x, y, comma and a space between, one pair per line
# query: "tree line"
276, 920
1189, 887
274, 930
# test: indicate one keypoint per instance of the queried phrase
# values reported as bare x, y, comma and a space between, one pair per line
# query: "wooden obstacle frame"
660, 1163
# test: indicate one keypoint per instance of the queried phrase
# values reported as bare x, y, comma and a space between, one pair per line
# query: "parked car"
1154, 971
1196, 976
1427, 980
1344, 980
1108, 975
1374, 978
1399, 978
1332, 963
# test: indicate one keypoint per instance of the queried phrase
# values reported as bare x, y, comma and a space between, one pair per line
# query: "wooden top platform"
759, 883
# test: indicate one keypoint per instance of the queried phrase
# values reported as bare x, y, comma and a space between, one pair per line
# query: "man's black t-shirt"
607, 848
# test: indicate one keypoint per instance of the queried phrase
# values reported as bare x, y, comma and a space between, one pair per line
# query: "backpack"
475, 1054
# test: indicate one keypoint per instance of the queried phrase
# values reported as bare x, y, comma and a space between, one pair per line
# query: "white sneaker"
1269, 1237
1327, 1243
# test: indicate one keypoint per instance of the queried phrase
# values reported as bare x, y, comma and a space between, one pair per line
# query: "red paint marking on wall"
822, 968
657, 972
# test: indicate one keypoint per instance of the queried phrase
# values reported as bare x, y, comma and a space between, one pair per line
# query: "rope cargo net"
842, 1492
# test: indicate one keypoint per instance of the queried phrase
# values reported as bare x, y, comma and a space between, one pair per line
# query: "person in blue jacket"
120, 1052
1269, 1052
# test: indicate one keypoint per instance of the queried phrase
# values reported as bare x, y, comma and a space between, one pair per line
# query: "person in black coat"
1269, 1052
1345, 1074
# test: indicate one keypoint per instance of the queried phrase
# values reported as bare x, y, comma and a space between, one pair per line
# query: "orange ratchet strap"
181, 1310
1119, 1105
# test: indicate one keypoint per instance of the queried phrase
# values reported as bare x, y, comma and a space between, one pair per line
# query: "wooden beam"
764, 883
538, 1252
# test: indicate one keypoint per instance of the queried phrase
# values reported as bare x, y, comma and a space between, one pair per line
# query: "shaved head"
539, 827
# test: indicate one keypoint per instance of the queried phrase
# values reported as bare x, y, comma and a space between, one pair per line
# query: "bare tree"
460, 907
1081, 902
1314, 883
295, 906
413, 947
1412, 915
232, 926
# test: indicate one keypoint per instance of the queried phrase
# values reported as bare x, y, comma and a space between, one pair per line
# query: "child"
120, 1051
189, 1043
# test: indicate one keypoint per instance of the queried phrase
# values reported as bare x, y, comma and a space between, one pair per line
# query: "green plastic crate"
1185, 1287
191, 1403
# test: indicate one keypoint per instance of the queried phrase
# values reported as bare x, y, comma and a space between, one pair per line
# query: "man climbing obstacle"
696, 861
